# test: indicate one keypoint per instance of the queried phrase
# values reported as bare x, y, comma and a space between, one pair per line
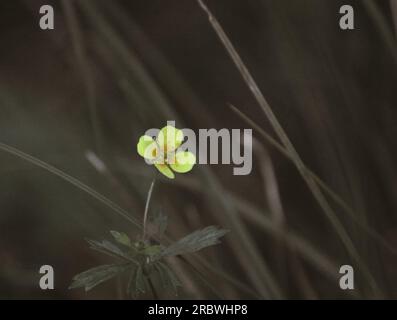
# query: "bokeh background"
112, 69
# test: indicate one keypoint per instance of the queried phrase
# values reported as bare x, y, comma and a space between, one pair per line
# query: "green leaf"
167, 276
195, 241
163, 278
140, 281
152, 250
95, 276
121, 237
106, 246
131, 283
110, 249
137, 282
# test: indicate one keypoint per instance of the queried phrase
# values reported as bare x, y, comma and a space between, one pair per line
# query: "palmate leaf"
95, 276
105, 245
144, 259
195, 241
140, 280
137, 282
167, 276
131, 284
109, 248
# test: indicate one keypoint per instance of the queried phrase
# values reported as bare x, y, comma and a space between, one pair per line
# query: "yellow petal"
143, 143
149, 149
170, 138
165, 170
184, 162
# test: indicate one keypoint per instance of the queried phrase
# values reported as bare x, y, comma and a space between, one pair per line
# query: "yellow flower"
163, 152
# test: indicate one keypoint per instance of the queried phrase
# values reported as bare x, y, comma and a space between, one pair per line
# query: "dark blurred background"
113, 69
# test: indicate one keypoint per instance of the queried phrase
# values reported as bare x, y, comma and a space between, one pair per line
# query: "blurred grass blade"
84, 67
332, 194
77, 183
316, 191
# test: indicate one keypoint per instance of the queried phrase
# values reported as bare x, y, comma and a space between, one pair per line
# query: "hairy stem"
145, 215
